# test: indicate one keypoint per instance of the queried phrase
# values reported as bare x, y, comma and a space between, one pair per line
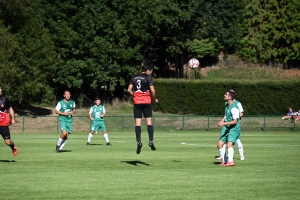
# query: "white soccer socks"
223, 154
90, 137
106, 137
230, 154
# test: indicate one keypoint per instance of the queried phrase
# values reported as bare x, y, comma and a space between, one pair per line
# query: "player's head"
147, 67
229, 95
67, 94
97, 101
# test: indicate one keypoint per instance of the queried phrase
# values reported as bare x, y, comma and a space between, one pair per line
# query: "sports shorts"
229, 135
142, 109
66, 126
98, 125
4, 131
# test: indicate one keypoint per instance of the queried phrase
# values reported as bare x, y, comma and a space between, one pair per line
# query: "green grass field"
182, 167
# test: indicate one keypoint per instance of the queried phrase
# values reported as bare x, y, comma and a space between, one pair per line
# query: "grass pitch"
182, 167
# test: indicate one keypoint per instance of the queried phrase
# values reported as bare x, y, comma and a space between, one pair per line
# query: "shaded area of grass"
29, 110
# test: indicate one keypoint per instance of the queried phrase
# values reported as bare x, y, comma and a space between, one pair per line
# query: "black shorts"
145, 109
4, 131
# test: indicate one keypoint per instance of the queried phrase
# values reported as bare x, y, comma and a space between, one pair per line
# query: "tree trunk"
20, 97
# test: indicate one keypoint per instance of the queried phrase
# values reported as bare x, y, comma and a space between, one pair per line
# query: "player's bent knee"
220, 145
229, 144
8, 142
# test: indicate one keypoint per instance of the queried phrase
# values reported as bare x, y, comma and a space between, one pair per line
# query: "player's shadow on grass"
64, 151
7, 161
217, 162
136, 163
95, 144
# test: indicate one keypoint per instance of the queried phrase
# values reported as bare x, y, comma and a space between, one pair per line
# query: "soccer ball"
194, 63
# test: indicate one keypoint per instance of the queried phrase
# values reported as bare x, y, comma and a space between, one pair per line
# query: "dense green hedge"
203, 97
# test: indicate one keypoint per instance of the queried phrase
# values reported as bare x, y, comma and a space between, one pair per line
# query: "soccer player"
141, 87
239, 142
231, 132
65, 109
97, 112
5, 108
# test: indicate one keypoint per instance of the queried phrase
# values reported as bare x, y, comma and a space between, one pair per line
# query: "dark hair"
231, 94
147, 66
67, 91
97, 98
232, 90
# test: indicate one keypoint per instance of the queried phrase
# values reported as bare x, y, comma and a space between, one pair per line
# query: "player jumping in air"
141, 87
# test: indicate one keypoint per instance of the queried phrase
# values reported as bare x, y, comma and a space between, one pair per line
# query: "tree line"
93, 47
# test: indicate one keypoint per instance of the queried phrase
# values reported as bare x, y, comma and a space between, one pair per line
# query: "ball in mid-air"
194, 63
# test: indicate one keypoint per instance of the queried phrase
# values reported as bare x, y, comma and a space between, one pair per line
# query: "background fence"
49, 124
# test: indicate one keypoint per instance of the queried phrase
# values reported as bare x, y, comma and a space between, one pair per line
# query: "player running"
65, 109
97, 113
5, 108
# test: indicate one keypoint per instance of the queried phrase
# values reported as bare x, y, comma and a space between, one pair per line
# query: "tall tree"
104, 42
34, 58
271, 31
8, 45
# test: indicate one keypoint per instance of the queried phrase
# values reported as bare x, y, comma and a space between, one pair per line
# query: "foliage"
205, 47
33, 68
8, 46
94, 47
104, 42
206, 96
271, 31
219, 21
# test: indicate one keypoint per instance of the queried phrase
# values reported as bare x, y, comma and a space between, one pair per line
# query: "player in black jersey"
142, 89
